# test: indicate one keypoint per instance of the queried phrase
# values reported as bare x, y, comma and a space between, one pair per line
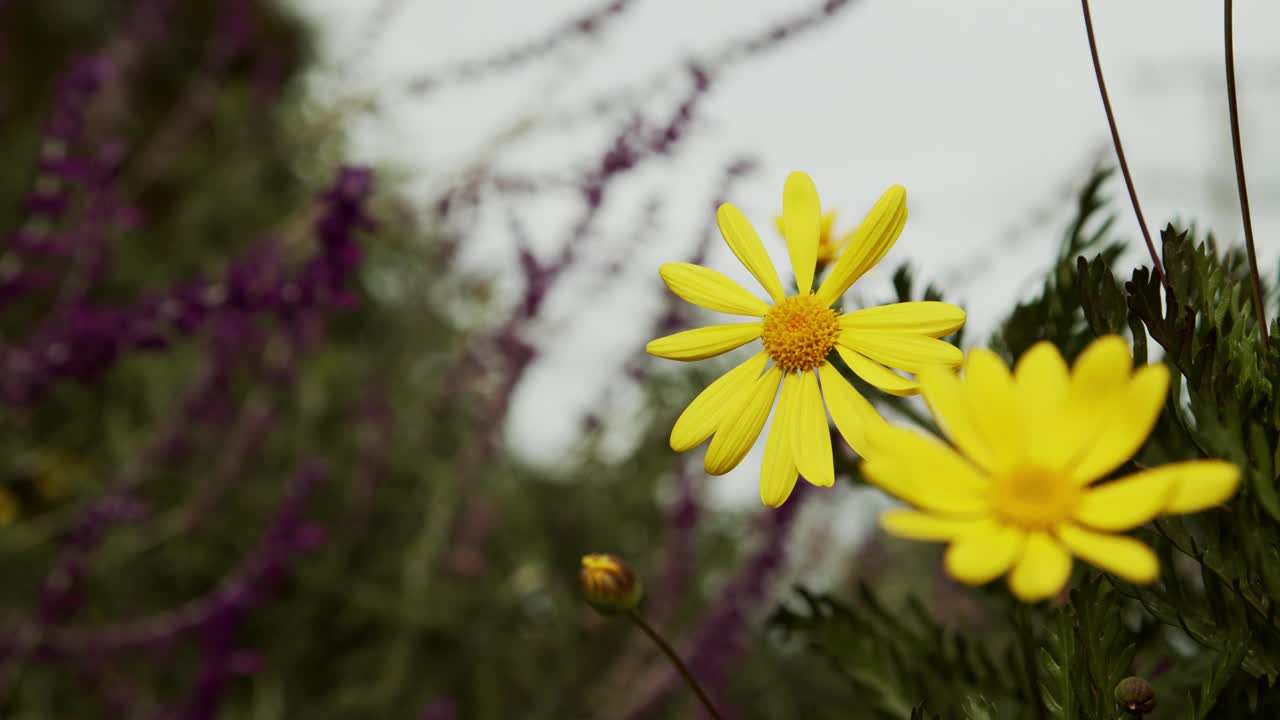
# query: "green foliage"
1088, 649
1055, 314
979, 708
919, 713
897, 660
1207, 325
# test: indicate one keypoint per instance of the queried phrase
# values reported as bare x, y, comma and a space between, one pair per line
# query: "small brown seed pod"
1135, 696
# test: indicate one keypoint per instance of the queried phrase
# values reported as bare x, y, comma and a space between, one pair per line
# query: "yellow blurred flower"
797, 333
828, 248
1019, 491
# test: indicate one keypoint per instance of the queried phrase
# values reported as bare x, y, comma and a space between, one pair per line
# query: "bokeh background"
322, 322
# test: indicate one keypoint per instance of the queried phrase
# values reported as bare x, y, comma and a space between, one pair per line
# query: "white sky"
982, 109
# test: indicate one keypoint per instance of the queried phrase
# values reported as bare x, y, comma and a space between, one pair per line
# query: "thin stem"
670, 652
1115, 139
1027, 642
1233, 108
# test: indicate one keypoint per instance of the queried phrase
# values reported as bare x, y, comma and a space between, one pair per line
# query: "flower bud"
1135, 696
609, 584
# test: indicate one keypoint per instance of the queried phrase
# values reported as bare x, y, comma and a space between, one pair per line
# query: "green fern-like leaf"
899, 660
1057, 314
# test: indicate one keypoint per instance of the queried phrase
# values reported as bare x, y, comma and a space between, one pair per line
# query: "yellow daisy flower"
798, 332
828, 248
1019, 491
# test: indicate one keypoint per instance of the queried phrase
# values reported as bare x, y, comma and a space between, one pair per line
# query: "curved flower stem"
1027, 643
1115, 139
670, 652
1233, 110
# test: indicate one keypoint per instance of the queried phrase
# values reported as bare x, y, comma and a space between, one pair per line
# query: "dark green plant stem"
670, 652
1115, 139
1234, 111
1027, 641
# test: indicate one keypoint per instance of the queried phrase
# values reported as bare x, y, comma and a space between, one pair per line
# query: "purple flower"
83, 341
442, 708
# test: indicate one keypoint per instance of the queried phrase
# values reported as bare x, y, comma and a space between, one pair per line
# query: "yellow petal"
869, 243
826, 248
778, 473
1042, 382
707, 288
997, 411
1103, 365
741, 424
1043, 570
930, 318
850, 411
811, 435
945, 466
981, 555
705, 342
1042, 377
1127, 502
914, 525
924, 473
1125, 426
745, 244
1119, 555
802, 219
1102, 370
903, 481
1196, 484
700, 418
912, 353
946, 396
1099, 383
877, 374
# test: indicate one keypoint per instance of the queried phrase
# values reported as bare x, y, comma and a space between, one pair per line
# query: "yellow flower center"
1034, 499
799, 332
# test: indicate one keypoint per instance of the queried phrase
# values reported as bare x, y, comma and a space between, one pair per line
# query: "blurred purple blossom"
63, 246
225, 610
257, 578
719, 642
442, 708
84, 340
587, 24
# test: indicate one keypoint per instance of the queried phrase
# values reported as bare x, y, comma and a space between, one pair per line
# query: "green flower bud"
1135, 696
609, 584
